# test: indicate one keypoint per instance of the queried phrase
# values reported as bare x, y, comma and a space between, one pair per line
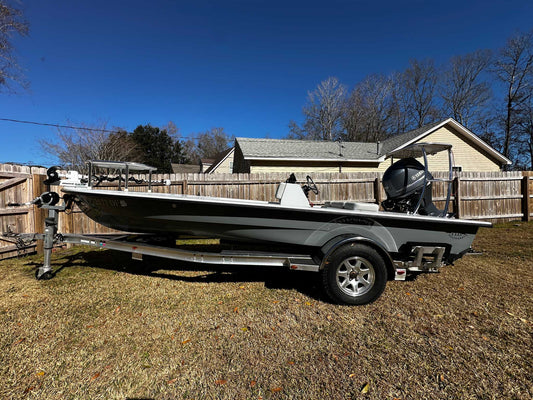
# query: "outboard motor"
403, 182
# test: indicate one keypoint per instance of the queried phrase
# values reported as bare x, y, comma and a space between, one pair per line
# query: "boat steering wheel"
311, 187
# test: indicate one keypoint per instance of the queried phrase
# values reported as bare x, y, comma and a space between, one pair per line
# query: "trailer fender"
330, 247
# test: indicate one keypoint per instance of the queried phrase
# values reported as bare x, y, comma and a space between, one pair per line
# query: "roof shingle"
307, 149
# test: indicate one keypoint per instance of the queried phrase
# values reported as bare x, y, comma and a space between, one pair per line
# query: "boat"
357, 246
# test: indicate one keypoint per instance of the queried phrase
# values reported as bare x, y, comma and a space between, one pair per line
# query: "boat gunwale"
266, 204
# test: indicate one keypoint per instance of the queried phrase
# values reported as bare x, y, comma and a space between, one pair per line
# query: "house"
280, 155
205, 164
222, 163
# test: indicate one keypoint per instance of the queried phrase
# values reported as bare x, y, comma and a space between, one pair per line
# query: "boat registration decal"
457, 235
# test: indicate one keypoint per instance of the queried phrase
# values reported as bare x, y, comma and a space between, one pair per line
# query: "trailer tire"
44, 277
354, 274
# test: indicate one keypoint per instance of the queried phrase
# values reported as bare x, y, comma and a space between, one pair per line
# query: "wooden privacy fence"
495, 196
18, 184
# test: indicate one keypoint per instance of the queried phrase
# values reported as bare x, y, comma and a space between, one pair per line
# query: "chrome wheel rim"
355, 276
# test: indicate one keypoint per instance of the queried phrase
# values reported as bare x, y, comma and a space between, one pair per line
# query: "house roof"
312, 150
185, 168
283, 149
402, 139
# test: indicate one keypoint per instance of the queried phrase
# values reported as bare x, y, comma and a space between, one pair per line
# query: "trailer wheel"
354, 274
44, 277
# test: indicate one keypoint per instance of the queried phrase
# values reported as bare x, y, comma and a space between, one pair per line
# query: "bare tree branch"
11, 24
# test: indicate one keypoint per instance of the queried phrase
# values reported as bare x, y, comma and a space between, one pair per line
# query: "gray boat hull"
257, 221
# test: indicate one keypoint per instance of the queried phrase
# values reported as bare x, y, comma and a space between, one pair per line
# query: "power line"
73, 127
56, 125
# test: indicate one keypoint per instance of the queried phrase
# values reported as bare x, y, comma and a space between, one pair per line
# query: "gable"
467, 154
425, 134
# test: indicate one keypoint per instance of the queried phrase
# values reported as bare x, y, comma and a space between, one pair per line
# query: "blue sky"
243, 65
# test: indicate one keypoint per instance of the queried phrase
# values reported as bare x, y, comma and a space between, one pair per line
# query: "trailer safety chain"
21, 241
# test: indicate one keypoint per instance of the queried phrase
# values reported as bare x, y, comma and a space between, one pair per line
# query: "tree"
465, 95
514, 69
210, 143
11, 24
526, 137
75, 147
323, 112
156, 147
369, 108
419, 83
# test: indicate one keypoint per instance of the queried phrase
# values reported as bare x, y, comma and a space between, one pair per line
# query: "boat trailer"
424, 259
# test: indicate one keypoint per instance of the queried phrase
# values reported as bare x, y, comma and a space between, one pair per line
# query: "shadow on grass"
307, 283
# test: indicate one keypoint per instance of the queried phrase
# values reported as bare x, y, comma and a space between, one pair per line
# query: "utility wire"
74, 127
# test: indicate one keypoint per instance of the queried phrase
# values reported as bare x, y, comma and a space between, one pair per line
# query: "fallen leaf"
236, 310
253, 383
408, 294
276, 389
290, 362
245, 329
351, 376
117, 309
29, 389
186, 341
221, 382
170, 382
40, 373
241, 287
95, 376
365, 388
19, 341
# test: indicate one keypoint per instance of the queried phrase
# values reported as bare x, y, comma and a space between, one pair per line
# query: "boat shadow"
307, 283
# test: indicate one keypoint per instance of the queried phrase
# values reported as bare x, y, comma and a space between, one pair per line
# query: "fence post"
457, 197
377, 191
184, 187
525, 199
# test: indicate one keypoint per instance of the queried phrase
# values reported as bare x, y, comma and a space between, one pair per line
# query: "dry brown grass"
105, 329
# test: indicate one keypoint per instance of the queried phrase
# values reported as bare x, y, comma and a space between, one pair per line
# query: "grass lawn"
109, 328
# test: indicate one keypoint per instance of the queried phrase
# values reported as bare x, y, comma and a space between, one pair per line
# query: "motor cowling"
403, 182
404, 178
